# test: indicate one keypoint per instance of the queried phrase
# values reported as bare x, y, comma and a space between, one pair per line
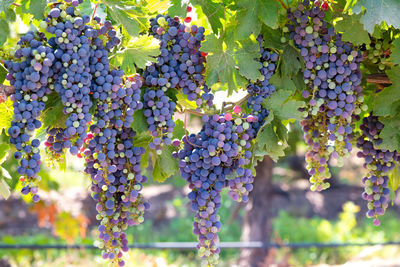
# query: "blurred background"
281, 210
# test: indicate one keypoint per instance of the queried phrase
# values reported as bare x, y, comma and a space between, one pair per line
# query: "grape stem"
231, 105
15, 4
282, 4
94, 10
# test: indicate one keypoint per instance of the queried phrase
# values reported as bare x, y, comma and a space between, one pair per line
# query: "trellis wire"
192, 245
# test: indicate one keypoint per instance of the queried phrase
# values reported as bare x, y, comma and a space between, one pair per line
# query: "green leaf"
290, 61
128, 14
4, 31
157, 6
86, 7
179, 129
4, 5
387, 101
7, 112
270, 140
378, 11
139, 123
4, 189
272, 38
226, 57
213, 11
395, 56
4, 147
3, 73
282, 106
164, 165
352, 30
390, 134
140, 52
268, 12
394, 181
248, 66
247, 19
36, 8
177, 8
53, 115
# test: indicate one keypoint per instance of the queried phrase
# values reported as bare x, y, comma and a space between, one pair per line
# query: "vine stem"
233, 104
282, 4
94, 10
15, 4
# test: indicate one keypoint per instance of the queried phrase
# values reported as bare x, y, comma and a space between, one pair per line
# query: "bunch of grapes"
379, 163
211, 160
113, 163
262, 88
378, 52
72, 46
180, 66
333, 98
31, 72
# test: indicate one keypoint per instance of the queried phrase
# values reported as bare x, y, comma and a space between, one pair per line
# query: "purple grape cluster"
379, 163
31, 72
113, 163
55, 142
180, 66
72, 47
211, 160
333, 98
262, 88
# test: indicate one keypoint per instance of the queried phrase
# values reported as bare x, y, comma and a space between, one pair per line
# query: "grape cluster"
378, 52
31, 72
378, 162
72, 46
74, 63
333, 98
113, 163
262, 88
211, 160
181, 66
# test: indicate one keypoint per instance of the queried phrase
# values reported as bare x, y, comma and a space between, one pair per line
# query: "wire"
192, 245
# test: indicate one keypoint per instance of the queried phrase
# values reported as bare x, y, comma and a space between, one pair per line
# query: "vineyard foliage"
333, 66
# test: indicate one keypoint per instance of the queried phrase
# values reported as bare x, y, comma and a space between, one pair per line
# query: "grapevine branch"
231, 105
379, 79
94, 10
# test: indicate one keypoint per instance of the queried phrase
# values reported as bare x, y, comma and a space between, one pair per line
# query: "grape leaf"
4, 147
4, 188
394, 181
130, 16
272, 38
291, 61
5, 31
352, 30
270, 140
6, 111
248, 66
139, 123
53, 115
223, 62
390, 134
179, 129
213, 11
157, 6
86, 7
4, 5
378, 11
164, 165
140, 51
282, 106
177, 8
253, 10
387, 101
247, 19
3, 73
36, 8
395, 56
268, 12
